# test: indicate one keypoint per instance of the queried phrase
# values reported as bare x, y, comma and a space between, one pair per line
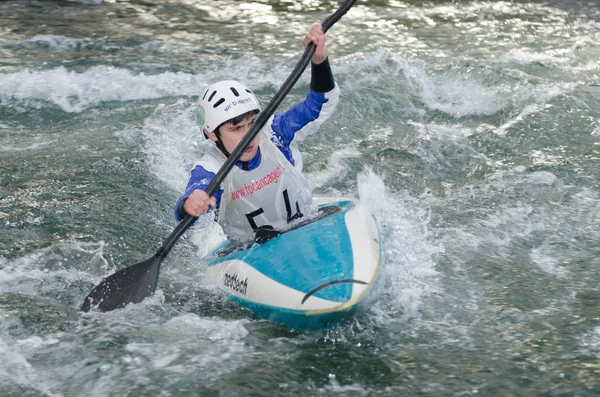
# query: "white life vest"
275, 193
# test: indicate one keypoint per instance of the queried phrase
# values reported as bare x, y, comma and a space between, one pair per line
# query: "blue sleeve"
286, 125
199, 180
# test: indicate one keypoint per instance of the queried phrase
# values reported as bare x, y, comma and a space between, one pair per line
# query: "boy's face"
232, 134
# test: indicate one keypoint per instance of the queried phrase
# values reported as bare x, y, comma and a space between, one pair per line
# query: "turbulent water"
470, 129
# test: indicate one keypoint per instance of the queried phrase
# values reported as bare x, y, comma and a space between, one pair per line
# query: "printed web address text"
249, 190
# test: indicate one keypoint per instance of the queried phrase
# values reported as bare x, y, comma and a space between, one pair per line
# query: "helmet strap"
220, 145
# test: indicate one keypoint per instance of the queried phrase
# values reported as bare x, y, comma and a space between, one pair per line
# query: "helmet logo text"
235, 103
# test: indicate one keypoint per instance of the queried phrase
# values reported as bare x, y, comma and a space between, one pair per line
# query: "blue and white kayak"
311, 277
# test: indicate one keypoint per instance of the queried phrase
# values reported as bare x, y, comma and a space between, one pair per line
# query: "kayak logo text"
236, 285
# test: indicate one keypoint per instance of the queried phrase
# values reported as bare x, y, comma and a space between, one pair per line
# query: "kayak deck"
310, 277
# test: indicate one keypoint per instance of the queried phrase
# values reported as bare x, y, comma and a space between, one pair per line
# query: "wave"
57, 43
75, 91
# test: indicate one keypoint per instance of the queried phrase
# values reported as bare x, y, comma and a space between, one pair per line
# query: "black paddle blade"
130, 285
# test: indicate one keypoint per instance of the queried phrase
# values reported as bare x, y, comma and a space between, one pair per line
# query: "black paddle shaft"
135, 283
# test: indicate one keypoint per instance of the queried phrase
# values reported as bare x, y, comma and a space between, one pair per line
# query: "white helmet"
223, 101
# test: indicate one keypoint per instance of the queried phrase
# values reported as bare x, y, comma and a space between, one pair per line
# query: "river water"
471, 130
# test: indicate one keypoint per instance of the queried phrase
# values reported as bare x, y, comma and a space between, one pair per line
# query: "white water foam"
333, 387
75, 92
218, 344
495, 11
35, 146
541, 178
518, 221
158, 346
593, 341
460, 96
173, 142
407, 247
452, 93
444, 132
336, 169
16, 369
547, 262
54, 266
456, 96
58, 43
456, 92
527, 110
524, 56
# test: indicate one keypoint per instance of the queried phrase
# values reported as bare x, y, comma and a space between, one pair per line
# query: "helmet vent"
212, 95
206, 92
220, 101
234, 91
247, 90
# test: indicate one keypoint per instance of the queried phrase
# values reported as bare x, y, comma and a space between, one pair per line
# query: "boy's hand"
316, 36
197, 203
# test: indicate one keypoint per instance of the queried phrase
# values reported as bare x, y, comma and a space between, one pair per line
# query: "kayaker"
265, 189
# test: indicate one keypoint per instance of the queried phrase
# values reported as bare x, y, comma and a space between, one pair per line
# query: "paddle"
135, 283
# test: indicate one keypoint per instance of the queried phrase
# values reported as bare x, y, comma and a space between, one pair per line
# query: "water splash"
408, 251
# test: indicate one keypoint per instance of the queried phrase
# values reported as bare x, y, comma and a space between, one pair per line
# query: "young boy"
265, 187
